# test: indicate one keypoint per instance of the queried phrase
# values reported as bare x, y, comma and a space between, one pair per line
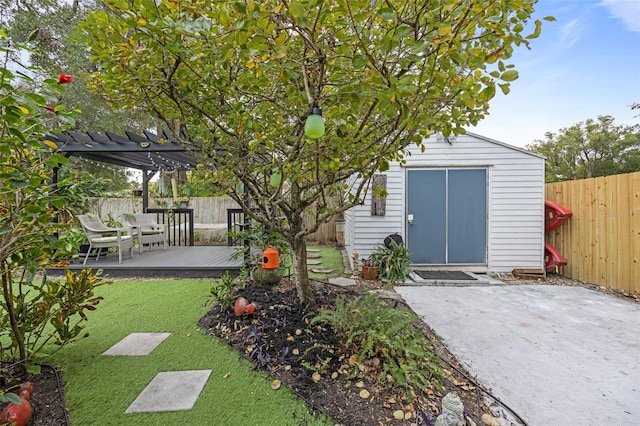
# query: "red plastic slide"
552, 258
554, 215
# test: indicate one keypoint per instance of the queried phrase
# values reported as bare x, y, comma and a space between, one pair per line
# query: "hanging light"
314, 126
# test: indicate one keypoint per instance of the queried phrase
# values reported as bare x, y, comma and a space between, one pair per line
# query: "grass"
331, 259
100, 388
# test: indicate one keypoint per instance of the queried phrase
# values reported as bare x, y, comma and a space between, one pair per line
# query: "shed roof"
149, 151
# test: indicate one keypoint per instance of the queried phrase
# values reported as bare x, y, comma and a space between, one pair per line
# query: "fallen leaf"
364, 394
296, 351
316, 376
353, 359
334, 375
226, 375
489, 420
275, 385
398, 414
298, 332
360, 384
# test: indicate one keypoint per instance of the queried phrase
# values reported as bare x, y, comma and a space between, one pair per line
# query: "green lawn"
100, 388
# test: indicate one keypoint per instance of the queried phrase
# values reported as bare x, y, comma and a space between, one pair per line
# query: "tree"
590, 148
236, 79
55, 52
29, 206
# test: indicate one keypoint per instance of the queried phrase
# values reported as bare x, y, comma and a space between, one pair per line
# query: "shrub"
46, 310
222, 290
393, 261
372, 330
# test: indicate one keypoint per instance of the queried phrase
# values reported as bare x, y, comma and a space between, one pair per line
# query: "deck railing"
180, 224
235, 224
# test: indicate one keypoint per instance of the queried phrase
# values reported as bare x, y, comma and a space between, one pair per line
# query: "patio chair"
101, 235
147, 229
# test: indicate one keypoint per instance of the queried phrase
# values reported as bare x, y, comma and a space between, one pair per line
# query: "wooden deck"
174, 262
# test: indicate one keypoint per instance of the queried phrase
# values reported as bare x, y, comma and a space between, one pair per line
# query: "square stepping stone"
171, 391
321, 271
137, 344
343, 282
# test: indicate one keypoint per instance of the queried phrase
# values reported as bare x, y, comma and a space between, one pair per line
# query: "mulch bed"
47, 399
278, 339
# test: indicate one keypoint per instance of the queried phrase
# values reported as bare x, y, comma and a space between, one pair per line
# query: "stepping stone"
314, 262
171, 391
137, 344
313, 250
342, 282
321, 271
387, 294
314, 256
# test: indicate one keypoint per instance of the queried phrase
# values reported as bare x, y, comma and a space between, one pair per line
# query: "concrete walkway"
556, 355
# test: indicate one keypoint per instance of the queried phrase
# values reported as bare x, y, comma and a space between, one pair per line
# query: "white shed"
471, 203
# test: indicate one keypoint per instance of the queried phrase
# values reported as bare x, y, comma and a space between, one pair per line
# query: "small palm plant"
392, 261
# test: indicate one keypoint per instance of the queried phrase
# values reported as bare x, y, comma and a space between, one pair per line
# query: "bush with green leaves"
371, 329
48, 310
30, 208
259, 238
393, 261
222, 290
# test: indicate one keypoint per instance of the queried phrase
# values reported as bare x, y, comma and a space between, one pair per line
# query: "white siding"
515, 201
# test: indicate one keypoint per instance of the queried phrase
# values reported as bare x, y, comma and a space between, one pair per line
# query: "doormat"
445, 275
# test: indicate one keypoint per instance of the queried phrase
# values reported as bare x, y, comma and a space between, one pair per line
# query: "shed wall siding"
515, 205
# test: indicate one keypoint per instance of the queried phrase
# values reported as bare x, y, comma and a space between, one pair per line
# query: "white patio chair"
147, 229
100, 235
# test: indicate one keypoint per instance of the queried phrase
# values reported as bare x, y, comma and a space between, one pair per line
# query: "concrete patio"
556, 355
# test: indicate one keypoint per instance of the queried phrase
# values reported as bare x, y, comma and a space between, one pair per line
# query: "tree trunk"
303, 286
7, 285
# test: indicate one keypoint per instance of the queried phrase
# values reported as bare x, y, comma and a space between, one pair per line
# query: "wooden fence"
207, 211
601, 240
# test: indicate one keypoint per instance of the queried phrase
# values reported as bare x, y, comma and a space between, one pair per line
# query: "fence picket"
601, 241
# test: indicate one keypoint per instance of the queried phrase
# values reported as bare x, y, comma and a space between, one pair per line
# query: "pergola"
149, 152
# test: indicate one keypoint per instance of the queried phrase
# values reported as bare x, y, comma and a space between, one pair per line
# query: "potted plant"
369, 270
393, 261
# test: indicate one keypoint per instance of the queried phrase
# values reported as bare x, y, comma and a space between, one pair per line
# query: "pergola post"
147, 175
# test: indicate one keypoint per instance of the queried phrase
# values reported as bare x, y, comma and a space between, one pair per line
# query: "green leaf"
537, 31
33, 368
403, 31
505, 88
387, 13
297, 10
510, 75
488, 93
276, 178
12, 397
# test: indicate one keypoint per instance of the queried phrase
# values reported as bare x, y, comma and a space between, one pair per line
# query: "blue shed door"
447, 216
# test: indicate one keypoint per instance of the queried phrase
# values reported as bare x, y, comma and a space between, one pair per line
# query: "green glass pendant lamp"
314, 126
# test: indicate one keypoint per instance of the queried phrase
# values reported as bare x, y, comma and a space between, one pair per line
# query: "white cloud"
570, 33
626, 10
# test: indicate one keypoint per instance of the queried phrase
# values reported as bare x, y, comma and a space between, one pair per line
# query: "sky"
583, 65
